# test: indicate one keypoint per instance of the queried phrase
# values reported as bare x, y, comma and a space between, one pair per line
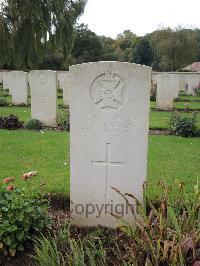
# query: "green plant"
184, 125
168, 234
4, 93
197, 90
64, 120
10, 122
34, 124
47, 252
62, 249
22, 215
3, 102
182, 93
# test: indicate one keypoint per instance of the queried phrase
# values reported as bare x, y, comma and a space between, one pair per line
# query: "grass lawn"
189, 97
8, 99
157, 119
24, 113
48, 153
182, 105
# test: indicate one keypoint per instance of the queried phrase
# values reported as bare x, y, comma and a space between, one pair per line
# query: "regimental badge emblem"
108, 91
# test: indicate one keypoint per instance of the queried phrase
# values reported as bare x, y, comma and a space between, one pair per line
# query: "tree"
141, 52
5, 48
87, 45
174, 49
108, 50
35, 24
123, 44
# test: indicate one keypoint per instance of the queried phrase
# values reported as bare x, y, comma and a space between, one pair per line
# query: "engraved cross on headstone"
107, 163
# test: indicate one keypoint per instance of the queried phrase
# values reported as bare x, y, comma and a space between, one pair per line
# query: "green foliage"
173, 49
5, 38
53, 61
62, 249
33, 28
108, 50
184, 125
10, 122
22, 215
197, 90
87, 45
3, 102
168, 234
183, 93
123, 45
141, 52
34, 124
64, 120
47, 253
165, 232
4, 93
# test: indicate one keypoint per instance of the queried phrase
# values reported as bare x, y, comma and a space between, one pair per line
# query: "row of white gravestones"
43, 86
17, 83
109, 112
170, 84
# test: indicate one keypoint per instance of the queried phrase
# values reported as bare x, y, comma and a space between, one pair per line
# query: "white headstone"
165, 93
174, 85
43, 96
19, 87
63, 80
109, 112
173, 81
6, 79
193, 79
182, 82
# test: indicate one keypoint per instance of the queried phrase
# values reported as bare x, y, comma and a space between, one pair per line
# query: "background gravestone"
174, 85
63, 80
19, 87
43, 85
6, 78
109, 110
165, 92
193, 79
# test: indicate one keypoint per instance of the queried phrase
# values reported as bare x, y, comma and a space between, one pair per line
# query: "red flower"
8, 179
10, 187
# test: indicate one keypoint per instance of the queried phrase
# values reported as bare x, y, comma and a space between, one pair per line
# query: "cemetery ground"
169, 158
47, 152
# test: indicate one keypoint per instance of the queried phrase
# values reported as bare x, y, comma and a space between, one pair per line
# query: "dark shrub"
34, 124
1, 121
184, 125
4, 93
10, 122
3, 102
